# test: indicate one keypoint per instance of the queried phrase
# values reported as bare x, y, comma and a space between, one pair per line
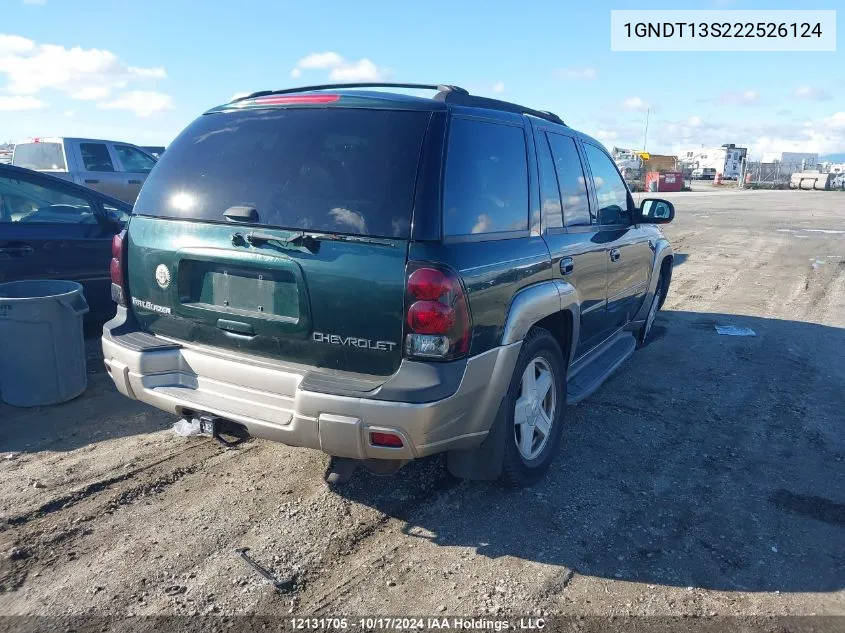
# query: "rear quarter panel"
492, 272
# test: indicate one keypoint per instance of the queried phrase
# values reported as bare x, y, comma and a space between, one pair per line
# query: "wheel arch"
552, 305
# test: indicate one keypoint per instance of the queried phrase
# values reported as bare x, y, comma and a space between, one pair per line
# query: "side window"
95, 157
31, 203
549, 192
570, 176
116, 215
611, 191
486, 182
133, 160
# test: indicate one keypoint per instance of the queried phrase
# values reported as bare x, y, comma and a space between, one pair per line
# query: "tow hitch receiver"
218, 427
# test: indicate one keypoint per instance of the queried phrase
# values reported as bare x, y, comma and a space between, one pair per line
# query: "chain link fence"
759, 175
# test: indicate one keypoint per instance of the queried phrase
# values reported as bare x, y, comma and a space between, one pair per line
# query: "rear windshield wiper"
309, 241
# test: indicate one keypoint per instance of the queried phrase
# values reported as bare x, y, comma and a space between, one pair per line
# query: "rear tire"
534, 410
656, 303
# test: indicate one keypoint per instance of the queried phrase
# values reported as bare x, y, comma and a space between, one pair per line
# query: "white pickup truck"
114, 168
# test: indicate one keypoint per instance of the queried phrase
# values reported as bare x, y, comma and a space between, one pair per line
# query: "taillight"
117, 268
437, 319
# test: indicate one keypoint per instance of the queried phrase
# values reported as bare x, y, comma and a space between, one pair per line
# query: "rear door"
628, 248
134, 166
97, 170
48, 230
570, 230
282, 232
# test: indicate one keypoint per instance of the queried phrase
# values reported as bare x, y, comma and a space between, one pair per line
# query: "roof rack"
445, 92
440, 88
467, 99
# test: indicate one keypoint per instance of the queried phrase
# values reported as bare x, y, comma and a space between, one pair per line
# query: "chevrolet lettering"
383, 277
335, 339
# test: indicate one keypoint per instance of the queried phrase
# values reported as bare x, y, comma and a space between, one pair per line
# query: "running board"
589, 372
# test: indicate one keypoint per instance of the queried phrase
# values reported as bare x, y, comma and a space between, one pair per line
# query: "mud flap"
485, 462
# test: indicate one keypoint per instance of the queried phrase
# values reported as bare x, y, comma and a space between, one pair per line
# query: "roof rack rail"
445, 92
440, 88
467, 99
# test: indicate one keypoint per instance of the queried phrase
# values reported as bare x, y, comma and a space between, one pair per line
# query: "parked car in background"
54, 229
704, 173
155, 151
110, 167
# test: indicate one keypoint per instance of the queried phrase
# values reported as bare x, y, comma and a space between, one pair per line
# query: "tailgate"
282, 233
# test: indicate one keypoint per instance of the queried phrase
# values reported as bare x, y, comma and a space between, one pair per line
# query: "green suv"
384, 277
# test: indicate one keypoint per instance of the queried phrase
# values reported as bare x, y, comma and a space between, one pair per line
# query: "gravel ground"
705, 477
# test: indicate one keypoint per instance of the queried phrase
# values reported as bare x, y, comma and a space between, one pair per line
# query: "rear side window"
44, 156
340, 170
486, 182
95, 157
570, 177
549, 191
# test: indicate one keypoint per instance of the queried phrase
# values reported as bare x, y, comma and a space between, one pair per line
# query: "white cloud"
694, 121
14, 44
744, 98
19, 103
339, 68
70, 113
587, 73
498, 87
636, 104
606, 136
811, 93
142, 103
362, 70
321, 60
84, 74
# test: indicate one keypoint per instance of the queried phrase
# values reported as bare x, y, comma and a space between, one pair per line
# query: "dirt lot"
706, 477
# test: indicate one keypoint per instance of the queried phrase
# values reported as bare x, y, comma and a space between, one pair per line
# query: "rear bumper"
269, 401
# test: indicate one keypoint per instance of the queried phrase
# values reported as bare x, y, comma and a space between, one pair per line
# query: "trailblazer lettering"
150, 306
353, 341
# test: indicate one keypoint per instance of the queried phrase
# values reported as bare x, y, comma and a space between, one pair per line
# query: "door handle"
566, 266
18, 249
134, 182
615, 255
92, 181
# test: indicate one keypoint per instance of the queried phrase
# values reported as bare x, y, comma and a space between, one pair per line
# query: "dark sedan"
55, 229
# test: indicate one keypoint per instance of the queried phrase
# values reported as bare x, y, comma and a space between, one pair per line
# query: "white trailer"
706, 162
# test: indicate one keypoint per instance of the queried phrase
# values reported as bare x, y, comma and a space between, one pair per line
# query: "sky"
141, 71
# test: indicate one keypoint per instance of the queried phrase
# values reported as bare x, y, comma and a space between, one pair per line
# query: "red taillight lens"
431, 317
391, 440
438, 319
117, 245
116, 268
428, 284
116, 271
295, 99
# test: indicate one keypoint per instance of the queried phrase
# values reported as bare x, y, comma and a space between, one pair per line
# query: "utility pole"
645, 138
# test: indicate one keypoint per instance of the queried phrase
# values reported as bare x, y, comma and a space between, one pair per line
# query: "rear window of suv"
340, 170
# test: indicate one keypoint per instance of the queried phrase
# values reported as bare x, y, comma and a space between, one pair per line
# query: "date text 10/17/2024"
416, 624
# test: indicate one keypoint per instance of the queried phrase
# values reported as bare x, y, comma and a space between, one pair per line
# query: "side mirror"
656, 211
